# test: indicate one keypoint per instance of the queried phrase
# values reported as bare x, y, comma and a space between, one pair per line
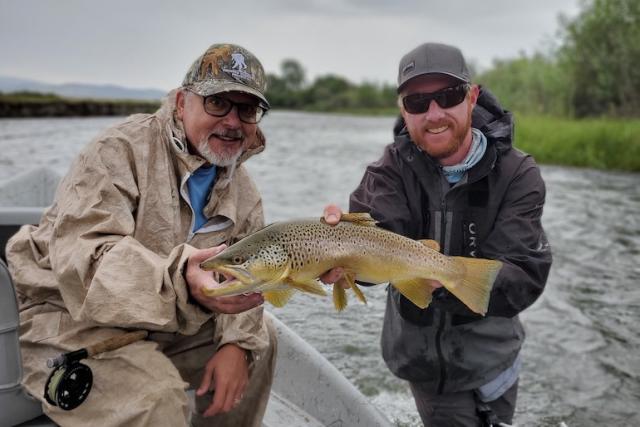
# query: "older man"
120, 247
452, 175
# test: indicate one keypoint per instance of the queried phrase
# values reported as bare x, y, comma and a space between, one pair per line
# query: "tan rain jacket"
111, 249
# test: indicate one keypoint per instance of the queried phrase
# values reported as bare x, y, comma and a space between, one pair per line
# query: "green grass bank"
595, 143
606, 143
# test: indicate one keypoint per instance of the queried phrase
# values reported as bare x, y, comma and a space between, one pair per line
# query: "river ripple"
582, 355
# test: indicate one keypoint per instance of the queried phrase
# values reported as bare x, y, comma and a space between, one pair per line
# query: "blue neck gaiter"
200, 184
455, 173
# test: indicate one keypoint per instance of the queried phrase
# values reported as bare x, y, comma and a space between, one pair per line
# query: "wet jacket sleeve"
105, 275
519, 241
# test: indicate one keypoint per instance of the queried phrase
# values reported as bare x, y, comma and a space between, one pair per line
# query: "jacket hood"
488, 116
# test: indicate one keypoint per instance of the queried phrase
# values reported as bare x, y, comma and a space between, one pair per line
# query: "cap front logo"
238, 67
410, 66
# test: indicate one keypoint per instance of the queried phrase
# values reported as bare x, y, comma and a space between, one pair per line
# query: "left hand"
227, 374
332, 215
197, 279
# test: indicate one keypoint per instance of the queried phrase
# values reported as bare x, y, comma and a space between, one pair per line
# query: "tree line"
593, 72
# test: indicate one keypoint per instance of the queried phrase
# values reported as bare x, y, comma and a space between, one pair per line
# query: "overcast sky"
151, 43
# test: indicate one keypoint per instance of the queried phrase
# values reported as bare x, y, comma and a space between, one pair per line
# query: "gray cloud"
148, 43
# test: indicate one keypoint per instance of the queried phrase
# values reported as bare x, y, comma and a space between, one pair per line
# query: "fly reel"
70, 381
68, 385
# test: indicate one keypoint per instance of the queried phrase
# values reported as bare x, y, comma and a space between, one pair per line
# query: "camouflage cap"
225, 68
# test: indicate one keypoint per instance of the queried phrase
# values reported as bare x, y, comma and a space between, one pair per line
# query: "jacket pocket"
41, 326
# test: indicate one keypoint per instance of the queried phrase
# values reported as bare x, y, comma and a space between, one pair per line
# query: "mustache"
230, 133
437, 124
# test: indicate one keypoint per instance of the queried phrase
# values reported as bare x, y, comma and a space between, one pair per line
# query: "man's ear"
474, 92
180, 97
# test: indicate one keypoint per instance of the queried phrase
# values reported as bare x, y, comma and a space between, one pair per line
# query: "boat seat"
16, 405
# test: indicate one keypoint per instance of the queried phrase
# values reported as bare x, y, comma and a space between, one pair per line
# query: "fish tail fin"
417, 290
278, 297
474, 288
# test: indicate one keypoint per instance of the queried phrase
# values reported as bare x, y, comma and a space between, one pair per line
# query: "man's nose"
232, 119
435, 112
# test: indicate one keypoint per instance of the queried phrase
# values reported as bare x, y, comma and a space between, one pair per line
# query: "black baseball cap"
433, 58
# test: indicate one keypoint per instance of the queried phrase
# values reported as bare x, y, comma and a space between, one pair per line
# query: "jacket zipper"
188, 200
441, 322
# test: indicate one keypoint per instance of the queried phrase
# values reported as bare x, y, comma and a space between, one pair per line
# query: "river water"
582, 354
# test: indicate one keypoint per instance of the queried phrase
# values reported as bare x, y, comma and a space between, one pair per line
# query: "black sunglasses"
418, 103
219, 106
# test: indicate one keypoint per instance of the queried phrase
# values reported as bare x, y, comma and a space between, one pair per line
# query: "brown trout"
286, 257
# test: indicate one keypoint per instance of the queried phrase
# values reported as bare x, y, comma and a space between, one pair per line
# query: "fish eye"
237, 259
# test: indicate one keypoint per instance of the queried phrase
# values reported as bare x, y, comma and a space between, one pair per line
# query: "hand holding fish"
199, 281
331, 215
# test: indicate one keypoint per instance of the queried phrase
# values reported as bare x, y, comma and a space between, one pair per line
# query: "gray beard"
215, 158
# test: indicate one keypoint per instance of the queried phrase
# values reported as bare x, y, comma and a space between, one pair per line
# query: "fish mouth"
234, 275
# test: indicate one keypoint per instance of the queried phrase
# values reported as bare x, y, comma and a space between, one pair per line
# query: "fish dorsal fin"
278, 297
431, 244
360, 218
418, 291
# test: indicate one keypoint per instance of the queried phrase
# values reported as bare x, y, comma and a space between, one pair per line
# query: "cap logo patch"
210, 62
410, 66
238, 67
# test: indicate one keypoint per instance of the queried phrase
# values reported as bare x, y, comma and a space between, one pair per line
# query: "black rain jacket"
493, 212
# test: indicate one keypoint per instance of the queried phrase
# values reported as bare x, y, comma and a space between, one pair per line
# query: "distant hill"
78, 90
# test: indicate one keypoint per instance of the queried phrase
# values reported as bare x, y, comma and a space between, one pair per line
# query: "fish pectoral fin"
359, 218
418, 291
474, 288
281, 278
310, 286
279, 297
339, 296
350, 279
431, 244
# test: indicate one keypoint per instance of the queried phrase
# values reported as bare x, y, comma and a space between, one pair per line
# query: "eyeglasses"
418, 103
219, 106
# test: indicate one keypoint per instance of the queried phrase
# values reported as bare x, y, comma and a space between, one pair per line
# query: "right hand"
197, 279
227, 375
332, 215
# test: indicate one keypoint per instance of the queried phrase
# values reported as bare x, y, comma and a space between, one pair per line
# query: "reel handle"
116, 342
